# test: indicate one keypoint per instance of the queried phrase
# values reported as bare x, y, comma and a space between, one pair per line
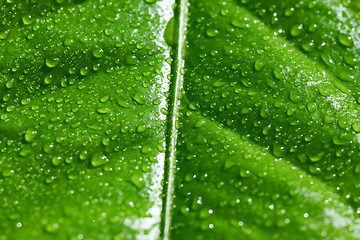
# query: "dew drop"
84, 71
68, 42
345, 76
346, 40
137, 97
98, 53
238, 23
138, 181
98, 159
52, 62
141, 128
259, 65
56, 161
278, 150
296, 30
212, 32
48, 79
30, 135
123, 103
316, 157
103, 110
357, 168
51, 227
356, 126
4, 35
27, 20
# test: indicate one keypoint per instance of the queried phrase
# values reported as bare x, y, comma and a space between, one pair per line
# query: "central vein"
172, 133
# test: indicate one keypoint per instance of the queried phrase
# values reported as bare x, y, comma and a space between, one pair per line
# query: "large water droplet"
52, 61
98, 159
346, 40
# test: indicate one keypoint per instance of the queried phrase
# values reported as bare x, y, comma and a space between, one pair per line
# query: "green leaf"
204, 119
83, 91
268, 145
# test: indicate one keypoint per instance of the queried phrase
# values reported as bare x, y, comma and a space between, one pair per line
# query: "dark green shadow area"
268, 138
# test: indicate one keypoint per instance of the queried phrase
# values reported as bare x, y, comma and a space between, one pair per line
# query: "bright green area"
268, 123
83, 118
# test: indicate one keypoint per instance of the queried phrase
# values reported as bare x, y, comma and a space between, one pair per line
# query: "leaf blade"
239, 73
85, 155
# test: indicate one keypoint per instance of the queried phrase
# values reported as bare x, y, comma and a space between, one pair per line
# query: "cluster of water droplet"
283, 76
82, 118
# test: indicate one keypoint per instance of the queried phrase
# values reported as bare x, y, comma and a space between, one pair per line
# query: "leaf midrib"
176, 87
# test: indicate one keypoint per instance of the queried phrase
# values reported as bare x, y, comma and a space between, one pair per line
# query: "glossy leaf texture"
83, 116
268, 144
106, 135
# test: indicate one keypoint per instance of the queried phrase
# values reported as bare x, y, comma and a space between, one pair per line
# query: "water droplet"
351, 60
278, 150
327, 59
199, 123
7, 172
314, 170
238, 23
56, 161
212, 32
48, 147
30, 135
308, 46
151, 1
356, 126
294, 97
338, 141
48, 79
98, 53
345, 76
296, 30
316, 157
84, 71
346, 40
124, 103
83, 155
98, 159
27, 20
357, 168
343, 123
4, 35
218, 83
51, 227
328, 119
277, 73
311, 107
244, 173
68, 42
259, 65
108, 32
137, 97
138, 181
104, 99
313, 28
25, 101
141, 128
103, 110
52, 62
